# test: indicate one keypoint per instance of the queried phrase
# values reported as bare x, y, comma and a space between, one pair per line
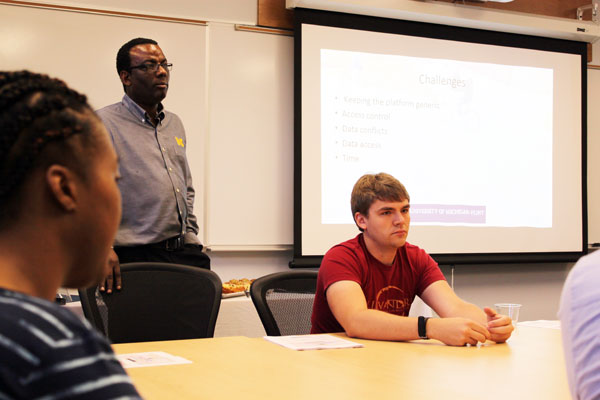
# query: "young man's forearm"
467, 310
379, 325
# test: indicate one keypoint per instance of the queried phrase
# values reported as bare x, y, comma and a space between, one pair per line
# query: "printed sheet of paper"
312, 342
150, 359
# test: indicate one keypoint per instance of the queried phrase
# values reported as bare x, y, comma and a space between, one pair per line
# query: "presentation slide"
486, 138
375, 108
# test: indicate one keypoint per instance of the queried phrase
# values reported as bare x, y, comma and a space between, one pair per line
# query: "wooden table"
529, 366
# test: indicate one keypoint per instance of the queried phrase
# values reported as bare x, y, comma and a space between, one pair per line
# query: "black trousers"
187, 255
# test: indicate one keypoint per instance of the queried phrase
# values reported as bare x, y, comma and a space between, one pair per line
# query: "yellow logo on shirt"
179, 141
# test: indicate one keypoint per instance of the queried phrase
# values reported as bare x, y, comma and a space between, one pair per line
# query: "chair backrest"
284, 301
158, 301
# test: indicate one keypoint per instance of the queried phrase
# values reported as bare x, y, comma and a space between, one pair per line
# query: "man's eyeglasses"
152, 66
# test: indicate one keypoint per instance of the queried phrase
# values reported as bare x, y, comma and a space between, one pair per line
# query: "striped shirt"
47, 352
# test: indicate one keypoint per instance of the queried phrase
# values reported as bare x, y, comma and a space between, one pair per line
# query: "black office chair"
159, 301
284, 301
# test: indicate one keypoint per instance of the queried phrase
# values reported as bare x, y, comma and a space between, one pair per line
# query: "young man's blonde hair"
371, 187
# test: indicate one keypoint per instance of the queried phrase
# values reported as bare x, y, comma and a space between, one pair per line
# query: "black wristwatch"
422, 326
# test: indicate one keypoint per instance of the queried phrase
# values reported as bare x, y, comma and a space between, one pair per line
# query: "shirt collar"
139, 112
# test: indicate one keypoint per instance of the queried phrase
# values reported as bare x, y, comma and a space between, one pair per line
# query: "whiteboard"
81, 49
593, 155
249, 202
232, 89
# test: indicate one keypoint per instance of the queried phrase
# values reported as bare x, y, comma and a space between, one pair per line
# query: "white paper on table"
150, 359
312, 342
542, 323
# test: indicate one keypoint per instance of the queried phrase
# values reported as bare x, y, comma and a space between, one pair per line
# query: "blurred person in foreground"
59, 212
579, 315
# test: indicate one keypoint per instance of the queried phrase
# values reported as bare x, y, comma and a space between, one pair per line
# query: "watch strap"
422, 327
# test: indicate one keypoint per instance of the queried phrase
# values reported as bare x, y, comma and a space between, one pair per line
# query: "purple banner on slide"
447, 213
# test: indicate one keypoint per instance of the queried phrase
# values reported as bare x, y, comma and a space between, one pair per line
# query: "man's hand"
113, 279
457, 331
500, 326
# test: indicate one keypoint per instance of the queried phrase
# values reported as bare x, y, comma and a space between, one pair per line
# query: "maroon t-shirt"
389, 288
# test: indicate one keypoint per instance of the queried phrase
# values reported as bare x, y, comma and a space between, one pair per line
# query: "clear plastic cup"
509, 309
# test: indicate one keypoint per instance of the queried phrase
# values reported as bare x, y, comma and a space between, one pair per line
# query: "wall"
273, 12
231, 11
536, 286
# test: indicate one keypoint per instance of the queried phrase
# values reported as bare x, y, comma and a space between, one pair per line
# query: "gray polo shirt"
156, 183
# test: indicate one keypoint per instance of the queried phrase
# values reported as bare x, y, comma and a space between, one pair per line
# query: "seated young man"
366, 285
59, 212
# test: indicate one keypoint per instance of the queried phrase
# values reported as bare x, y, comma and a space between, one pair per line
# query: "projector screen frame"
428, 30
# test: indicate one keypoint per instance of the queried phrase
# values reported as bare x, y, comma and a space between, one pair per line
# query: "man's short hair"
123, 57
371, 187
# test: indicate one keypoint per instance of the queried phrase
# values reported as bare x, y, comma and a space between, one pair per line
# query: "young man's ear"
62, 186
360, 220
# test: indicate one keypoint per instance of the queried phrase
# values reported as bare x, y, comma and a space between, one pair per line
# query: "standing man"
158, 222
366, 285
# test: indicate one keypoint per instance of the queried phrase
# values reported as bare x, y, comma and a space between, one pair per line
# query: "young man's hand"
457, 331
500, 326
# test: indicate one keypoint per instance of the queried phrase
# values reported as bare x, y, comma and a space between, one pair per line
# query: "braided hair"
38, 115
